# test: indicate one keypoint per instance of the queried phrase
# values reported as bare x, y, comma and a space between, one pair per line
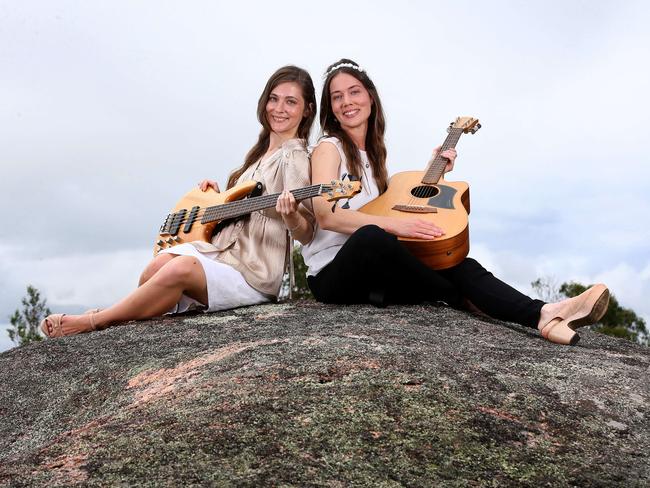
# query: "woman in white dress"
245, 262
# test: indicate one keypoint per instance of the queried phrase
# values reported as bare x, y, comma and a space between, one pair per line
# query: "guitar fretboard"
242, 207
436, 166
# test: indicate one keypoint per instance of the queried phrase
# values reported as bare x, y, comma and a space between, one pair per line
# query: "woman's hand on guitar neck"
414, 228
450, 154
287, 207
205, 184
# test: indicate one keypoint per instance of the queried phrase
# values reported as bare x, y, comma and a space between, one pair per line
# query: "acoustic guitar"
196, 216
427, 195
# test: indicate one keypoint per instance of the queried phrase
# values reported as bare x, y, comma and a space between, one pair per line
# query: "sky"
111, 111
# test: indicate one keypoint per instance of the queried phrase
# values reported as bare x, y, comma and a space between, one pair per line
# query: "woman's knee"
154, 265
180, 270
469, 269
371, 235
470, 263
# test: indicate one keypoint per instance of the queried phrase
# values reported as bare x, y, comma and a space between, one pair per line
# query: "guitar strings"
239, 207
436, 168
225, 210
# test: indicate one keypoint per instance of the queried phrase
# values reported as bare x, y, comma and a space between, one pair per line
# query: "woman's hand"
414, 228
295, 223
205, 184
287, 207
450, 154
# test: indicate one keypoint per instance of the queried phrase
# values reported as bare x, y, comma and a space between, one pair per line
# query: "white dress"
227, 288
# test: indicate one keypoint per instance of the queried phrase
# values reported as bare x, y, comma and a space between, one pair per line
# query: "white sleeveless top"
326, 243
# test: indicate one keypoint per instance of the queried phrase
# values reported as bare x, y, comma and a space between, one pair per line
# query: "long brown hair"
282, 75
375, 147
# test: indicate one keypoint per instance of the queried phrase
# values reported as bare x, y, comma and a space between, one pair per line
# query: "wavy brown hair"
375, 147
282, 75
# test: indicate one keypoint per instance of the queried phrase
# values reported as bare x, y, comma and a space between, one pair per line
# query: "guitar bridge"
415, 208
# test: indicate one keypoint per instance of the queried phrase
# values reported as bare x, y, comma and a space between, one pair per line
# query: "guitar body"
445, 204
197, 198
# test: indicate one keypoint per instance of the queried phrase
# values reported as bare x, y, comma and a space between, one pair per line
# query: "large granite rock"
301, 394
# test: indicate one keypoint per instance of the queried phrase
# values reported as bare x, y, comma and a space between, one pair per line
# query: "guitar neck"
249, 205
436, 166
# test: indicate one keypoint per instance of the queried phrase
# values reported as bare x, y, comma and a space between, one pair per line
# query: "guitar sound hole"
425, 191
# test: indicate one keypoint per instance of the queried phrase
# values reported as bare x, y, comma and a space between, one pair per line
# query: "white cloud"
5, 342
74, 280
111, 113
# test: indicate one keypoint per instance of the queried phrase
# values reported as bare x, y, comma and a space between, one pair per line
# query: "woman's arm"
325, 163
298, 217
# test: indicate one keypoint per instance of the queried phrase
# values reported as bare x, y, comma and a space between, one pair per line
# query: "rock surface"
302, 394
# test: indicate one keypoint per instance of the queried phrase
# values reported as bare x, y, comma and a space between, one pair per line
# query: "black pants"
374, 267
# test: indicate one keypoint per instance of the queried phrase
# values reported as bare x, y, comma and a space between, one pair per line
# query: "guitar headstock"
338, 189
467, 124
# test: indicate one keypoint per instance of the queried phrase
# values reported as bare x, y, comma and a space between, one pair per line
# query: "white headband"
343, 65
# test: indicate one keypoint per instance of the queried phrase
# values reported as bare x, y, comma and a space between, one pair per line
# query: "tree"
25, 324
547, 289
300, 289
618, 321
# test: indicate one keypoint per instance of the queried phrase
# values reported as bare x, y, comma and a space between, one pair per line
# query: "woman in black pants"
356, 257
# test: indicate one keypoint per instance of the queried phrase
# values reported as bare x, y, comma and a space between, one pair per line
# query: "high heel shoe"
585, 309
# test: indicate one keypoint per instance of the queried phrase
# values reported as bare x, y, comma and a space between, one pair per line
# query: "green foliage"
618, 321
301, 289
25, 323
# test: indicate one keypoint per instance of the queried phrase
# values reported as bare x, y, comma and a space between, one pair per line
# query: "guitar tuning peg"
343, 176
333, 207
346, 205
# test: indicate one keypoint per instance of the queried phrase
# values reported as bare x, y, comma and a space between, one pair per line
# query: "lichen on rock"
305, 394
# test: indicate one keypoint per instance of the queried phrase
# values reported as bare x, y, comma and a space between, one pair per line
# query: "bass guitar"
196, 216
427, 195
